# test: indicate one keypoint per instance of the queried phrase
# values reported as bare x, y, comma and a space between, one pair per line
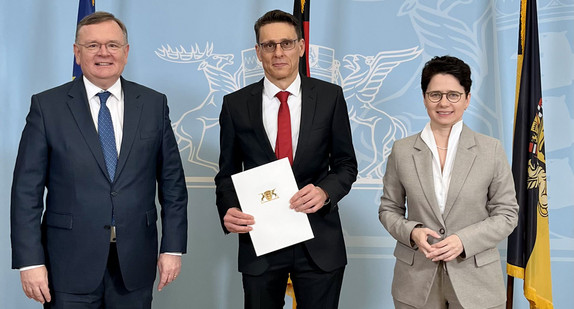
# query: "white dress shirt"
115, 104
441, 177
270, 110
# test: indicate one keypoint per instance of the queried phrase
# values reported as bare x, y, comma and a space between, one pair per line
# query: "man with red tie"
306, 120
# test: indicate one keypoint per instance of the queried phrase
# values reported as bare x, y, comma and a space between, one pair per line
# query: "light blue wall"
177, 44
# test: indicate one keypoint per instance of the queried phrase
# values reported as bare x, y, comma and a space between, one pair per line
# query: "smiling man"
99, 146
305, 120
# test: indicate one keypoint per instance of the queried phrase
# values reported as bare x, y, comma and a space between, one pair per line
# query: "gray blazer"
480, 209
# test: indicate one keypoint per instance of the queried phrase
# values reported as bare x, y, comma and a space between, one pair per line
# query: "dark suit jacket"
60, 151
324, 157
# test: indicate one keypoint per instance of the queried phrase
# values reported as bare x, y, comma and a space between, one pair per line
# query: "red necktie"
283, 145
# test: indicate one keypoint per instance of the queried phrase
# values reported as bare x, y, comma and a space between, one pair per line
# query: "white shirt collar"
92, 90
270, 90
428, 137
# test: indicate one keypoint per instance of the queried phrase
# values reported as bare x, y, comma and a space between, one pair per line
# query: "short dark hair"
100, 17
277, 16
446, 65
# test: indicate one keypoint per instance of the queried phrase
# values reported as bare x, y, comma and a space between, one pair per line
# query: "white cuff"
173, 253
30, 267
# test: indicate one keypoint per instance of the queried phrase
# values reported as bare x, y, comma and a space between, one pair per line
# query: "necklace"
442, 148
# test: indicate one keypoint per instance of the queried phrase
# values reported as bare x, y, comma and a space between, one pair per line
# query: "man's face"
281, 66
102, 66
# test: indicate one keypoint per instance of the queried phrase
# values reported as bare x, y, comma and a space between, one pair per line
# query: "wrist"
326, 200
413, 243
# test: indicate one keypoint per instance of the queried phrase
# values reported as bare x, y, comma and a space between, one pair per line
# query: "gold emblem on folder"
268, 196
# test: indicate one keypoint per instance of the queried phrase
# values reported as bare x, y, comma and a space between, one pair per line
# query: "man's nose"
278, 50
103, 50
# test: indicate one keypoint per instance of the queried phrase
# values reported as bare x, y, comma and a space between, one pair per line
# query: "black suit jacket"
324, 157
60, 151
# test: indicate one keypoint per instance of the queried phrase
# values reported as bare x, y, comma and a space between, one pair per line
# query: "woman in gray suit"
461, 202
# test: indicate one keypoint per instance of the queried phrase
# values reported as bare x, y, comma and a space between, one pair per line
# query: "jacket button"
107, 227
441, 231
114, 193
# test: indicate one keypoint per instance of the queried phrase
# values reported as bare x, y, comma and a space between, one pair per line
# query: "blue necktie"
107, 137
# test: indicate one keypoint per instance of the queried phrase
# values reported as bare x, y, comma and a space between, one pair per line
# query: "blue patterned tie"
107, 137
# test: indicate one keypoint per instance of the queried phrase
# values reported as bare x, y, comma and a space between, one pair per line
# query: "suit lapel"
132, 115
308, 107
80, 108
255, 114
423, 166
462, 164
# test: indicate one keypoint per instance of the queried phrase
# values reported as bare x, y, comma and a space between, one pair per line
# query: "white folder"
264, 192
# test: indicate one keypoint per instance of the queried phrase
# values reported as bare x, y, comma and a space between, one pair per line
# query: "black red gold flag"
529, 244
301, 13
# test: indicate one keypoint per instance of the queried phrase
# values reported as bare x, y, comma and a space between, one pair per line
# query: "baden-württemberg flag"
85, 8
301, 12
528, 246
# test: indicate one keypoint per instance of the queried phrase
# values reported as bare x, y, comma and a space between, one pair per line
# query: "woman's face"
445, 113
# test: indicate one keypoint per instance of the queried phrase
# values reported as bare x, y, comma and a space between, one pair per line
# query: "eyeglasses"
270, 46
94, 47
451, 96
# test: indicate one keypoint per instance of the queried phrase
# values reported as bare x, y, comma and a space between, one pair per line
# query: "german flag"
301, 13
85, 8
529, 244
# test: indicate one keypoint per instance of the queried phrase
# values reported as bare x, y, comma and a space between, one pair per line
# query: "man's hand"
236, 221
419, 235
35, 284
447, 249
169, 267
309, 199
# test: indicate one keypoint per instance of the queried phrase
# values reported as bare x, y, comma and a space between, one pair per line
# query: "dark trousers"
314, 288
110, 294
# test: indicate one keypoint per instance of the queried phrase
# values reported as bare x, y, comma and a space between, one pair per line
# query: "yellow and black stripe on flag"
85, 8
301, 13
528, 246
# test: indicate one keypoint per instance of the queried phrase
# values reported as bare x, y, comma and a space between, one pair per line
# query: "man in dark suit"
320, 148
100, 145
